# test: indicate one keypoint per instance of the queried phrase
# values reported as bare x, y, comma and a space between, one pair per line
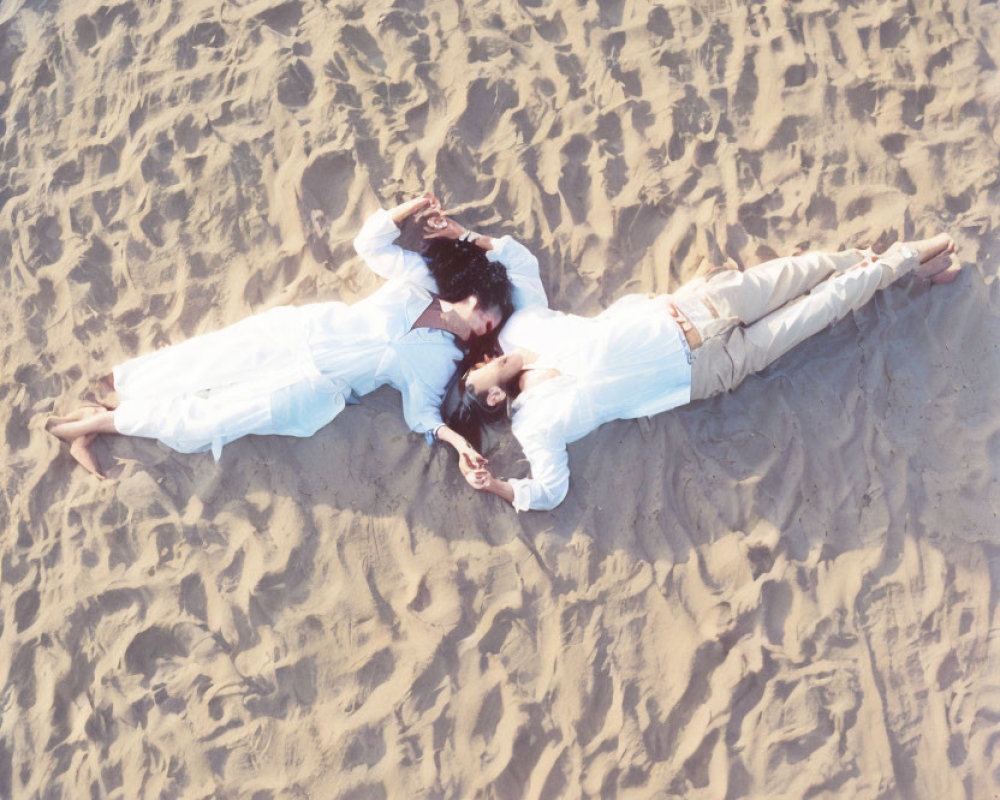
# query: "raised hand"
426, 203
439, 226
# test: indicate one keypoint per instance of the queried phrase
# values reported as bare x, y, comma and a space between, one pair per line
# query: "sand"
787, 592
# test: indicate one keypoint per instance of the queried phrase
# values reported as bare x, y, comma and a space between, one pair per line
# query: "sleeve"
422, 409
522, 269
424, 390
374, 243
549, 481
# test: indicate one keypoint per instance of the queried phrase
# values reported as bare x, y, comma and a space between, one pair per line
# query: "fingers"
436, 226
472, 460
480, 479
426, 200
446, 229
434, 221
432, 200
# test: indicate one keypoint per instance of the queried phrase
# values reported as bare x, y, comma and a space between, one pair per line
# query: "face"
494, 374
480, 321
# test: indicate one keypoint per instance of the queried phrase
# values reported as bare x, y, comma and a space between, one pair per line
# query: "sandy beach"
790, 591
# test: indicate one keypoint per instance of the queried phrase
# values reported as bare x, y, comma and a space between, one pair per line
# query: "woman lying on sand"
564, 375
290, 370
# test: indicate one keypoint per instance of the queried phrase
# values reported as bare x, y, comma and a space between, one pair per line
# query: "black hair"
464, 411
461, 269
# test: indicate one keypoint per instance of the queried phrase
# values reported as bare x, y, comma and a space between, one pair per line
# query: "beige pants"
756, 316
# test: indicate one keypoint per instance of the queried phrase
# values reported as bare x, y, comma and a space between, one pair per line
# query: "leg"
742, 298
193, 423
745, 297
257, 344
80, 429
723, 361
210, 420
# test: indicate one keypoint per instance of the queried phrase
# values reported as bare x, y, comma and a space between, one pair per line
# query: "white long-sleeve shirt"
629, 361
373, 342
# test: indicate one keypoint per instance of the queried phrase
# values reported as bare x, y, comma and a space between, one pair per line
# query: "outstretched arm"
483, 480
418, 203
543, 491
375, 243
468, 457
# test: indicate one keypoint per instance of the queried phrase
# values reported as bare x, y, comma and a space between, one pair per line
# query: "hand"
479, 479
438, 226
433, 204
470, 458
425, 203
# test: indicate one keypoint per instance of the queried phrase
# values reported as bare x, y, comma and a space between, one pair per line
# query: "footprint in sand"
153, 645
210, 35
575, 180
296, 84
609, 137
282, 18
45, 240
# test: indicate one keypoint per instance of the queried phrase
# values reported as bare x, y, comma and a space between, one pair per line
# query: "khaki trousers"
756, 316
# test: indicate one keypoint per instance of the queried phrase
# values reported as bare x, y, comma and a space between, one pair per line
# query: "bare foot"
62, 427
941, 269
933, 247
79, 448
79, 429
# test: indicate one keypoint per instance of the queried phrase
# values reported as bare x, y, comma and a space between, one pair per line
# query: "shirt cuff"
522, 493
376, 228
430, 436
383, 222
496, 252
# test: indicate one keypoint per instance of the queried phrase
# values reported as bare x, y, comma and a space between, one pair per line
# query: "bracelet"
469, 236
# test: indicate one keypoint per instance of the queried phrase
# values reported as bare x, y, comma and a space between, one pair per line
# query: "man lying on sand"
562, 376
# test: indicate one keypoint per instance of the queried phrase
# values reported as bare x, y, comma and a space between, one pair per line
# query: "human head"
478, 289
492, 380
462, 272
476, 320
478, 396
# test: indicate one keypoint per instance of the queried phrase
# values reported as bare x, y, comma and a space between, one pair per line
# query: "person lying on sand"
290, 370
562, 376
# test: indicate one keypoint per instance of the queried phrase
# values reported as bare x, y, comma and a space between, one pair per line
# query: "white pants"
256, 376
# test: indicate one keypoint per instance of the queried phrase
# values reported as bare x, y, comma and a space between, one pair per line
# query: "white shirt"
373, 342
629, 361
522, 269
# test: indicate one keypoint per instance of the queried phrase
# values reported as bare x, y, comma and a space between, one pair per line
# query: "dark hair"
464, 411
461, 269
